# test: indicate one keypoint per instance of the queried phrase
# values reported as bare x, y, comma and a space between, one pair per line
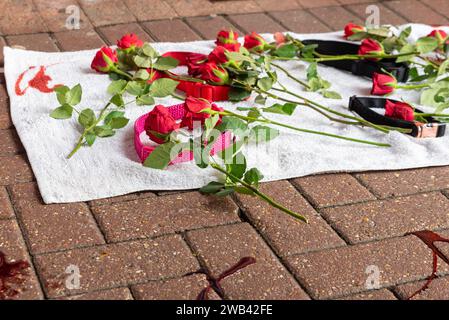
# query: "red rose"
399, 110
383, 84
193, 62
370, 46
226, 37
254, 42
233, 47
129, 41
280, 39
440, 35
193, 107
352, 29
213, 74
104, 60
218, 55
159, 121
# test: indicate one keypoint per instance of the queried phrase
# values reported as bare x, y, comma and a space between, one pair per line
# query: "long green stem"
260, 194
347, 57
288, 74
412, 86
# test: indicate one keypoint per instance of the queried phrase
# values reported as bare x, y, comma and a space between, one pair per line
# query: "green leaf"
63, 112
426, 44
148, 50
87, 118
145, 100
312, 71
238, 94
165, 63
262, 133
443, 67
61, 92
142, 62
331, 95
212, 187
405, 49
260, 99
163, 87
238, 166
142, 74
74, 95
134, 88
287, 108
225, 192
90, 138
118, 123
235, 125
104, 131
117, 86
200, 156
161, 156
253, 176
379, 32
113, 114
117, 100
265, 83
286, 51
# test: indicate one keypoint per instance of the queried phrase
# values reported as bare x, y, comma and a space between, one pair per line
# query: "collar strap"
364, 68
191, 88
177, 112
364, 107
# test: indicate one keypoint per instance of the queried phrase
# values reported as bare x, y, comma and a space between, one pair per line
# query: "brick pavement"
162, 249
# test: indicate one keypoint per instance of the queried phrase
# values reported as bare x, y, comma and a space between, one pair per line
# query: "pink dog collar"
177, 112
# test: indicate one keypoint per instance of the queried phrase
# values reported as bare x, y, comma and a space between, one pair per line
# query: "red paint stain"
429, 238
39, 82
11, 275
215, 282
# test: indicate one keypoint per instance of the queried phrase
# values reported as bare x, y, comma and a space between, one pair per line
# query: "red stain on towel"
39, 81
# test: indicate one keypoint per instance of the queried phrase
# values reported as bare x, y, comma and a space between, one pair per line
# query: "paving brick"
270, 5
335, 17
126, 197
333, 273
113, 33
285, 234
222, 247
193, 8
13, 246
56, 13
356, 2
208, 27
332, 189
9, 143
382, 294
20, 17
56, 226
170, 30
150, 9
258, 22
161, 215
415, 11
6, 210
439, 6
317, 3
37, 42
389, 218
185, 288
396, 183
105, 12
300, 21
387, 16
5, 117
78, 40
109, 294
2, 44
438, 290
15, 169
108, 266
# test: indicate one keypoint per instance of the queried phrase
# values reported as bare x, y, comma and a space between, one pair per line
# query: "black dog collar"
364, 68
364, 107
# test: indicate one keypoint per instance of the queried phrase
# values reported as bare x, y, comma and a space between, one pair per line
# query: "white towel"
111, 167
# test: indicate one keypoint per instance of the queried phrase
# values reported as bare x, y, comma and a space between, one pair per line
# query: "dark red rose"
383, 84
104, 60
351, 29
371, 46
399, 110
218, 55
226, 37
129, 41
194, 62
254, 42
160, 122
193, 107
213, 74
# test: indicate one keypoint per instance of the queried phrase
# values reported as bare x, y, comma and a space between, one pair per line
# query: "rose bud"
371, 47
351, 29
129, 41
280, 39
226, 37
233, 47
255, 43
193, 111
160, 123
440, 35
105, 59
213, 74
383, 84
399, 110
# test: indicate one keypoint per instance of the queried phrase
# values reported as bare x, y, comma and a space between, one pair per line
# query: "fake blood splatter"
39, 82
429, 238
11, 274
215, 282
